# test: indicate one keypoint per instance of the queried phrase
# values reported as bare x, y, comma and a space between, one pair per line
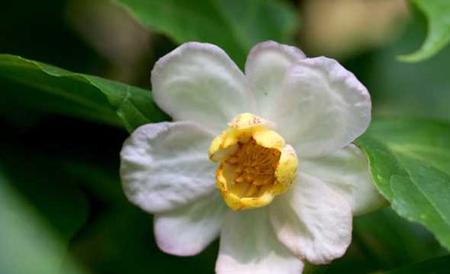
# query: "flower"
264, 158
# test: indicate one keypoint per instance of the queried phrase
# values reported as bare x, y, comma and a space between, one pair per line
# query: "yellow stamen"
255, 164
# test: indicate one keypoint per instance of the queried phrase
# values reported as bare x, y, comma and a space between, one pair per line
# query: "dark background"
67, 169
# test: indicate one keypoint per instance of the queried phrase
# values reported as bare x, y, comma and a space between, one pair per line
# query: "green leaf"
234, 25
440, 265
410, 163
27, 243
438, 16
44, 87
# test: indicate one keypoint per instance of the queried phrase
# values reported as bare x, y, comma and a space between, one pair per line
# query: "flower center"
255, 164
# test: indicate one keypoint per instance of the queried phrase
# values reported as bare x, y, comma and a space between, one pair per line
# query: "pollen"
255, 164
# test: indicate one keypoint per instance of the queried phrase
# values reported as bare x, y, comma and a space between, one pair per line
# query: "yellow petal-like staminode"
255, 164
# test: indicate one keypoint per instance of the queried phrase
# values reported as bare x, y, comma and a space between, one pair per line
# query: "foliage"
438, 15
233, 25
27, 245
410, 164
53, 89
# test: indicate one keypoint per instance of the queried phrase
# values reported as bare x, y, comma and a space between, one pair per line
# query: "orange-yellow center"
255, 164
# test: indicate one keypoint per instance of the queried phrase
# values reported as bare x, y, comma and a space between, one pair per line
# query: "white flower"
279, 141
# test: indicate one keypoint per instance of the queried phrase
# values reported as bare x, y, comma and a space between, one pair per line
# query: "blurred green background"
62, 209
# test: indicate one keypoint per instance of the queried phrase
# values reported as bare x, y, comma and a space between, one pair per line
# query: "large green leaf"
410, 163
234, 25
438, 16
27, 243
44, 87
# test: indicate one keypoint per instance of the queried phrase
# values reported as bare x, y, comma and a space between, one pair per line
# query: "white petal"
347, 172
248, 245
188, 230
166, 165
312, 220
322, 107
199, 82
266, 68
